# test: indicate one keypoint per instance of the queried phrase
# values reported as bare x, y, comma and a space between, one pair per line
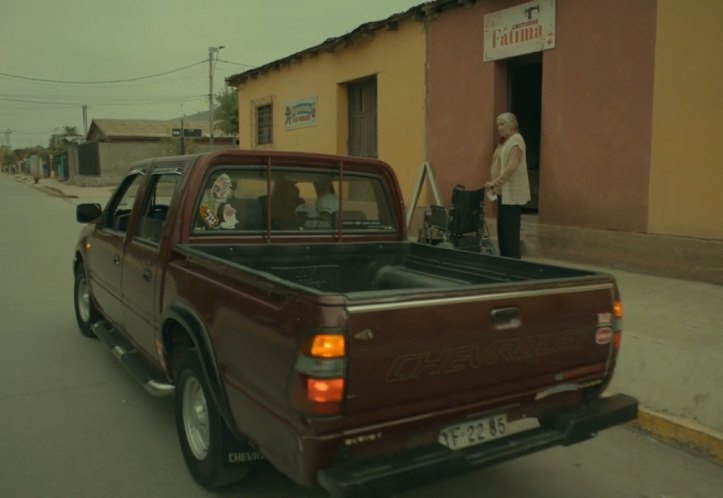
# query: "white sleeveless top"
516, 190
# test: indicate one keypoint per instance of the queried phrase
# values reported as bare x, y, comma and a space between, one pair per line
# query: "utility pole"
183, 134
211, 51
8, 132
85, 121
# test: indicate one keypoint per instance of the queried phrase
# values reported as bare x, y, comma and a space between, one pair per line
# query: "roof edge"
419, 13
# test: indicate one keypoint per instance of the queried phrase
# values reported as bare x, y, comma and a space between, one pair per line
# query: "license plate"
472, 432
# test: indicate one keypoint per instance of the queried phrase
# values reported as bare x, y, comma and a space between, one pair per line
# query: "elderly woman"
509, 182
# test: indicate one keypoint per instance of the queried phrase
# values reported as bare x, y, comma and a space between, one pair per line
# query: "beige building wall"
396, 57
686, 173
116, 158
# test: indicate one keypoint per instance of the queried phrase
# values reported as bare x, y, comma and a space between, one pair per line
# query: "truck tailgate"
501, 343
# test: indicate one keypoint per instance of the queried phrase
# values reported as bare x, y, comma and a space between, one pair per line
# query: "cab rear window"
242, 200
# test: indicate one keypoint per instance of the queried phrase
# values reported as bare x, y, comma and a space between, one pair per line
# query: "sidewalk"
671, 357
75, 193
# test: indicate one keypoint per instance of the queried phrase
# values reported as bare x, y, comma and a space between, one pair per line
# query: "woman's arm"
495, 166
512, 164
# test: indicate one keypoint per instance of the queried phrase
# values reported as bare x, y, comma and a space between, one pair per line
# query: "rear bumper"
413, 468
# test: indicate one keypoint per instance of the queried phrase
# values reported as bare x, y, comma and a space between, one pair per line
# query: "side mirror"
85, 213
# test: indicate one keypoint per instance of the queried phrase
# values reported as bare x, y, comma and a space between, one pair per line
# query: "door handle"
506, 318
147, 275
116, 260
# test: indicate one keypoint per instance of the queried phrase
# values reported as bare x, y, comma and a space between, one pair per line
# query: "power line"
27, 78
33, 132
100, 98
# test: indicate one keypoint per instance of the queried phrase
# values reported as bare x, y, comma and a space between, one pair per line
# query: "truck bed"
443, 322
362, 270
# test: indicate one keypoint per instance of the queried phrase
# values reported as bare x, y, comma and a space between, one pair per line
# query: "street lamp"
211, 51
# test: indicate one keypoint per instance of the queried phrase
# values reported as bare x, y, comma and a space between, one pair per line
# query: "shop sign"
300, 113
522, 29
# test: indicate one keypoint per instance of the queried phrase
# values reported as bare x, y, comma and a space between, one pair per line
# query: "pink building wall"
597, 95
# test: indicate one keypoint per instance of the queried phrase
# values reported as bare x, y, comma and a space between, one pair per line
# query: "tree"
60, 141
226, 113
70, 131
9, 157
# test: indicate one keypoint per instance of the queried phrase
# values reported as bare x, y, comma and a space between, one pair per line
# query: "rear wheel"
212, 453
85, 311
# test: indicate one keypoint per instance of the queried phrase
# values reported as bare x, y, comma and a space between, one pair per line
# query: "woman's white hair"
509, 118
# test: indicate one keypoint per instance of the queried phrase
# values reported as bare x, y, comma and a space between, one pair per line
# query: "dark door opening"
363, 118
524, 78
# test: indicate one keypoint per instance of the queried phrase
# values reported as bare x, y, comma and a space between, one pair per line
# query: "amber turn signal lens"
324, 390
327, 346
618, 309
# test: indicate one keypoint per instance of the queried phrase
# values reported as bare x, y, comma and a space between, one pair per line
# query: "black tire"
211, 457
85, 311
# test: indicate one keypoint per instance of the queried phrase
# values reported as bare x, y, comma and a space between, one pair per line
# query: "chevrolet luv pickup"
277, 297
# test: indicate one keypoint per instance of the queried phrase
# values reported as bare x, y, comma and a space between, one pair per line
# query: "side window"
232, 199
122, 203
155, 207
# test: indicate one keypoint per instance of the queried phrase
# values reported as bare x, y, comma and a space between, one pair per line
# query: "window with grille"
264, 124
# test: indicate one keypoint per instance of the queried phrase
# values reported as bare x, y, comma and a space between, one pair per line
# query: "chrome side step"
132, 359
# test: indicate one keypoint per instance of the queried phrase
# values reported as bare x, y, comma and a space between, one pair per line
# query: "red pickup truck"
277, 295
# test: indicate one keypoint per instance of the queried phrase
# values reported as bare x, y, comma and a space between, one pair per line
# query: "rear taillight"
326, 346
324, 390
319, 377
616, 341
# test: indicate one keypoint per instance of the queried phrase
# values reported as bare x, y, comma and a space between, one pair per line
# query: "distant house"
112, 145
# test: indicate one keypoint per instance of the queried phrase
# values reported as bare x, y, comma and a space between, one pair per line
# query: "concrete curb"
681, 432
56, 192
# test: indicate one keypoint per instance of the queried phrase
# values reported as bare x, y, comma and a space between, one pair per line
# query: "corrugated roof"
145, 128
419, 12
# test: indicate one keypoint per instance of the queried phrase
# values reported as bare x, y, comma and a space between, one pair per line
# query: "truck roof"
258, 156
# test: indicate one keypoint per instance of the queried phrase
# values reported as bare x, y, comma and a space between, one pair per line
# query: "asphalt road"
74, 424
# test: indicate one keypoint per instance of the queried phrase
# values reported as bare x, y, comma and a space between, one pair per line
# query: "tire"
209, 448
85, 311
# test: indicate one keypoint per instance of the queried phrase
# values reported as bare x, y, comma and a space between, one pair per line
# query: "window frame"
268, 230
153, 182
258, 127
120, 194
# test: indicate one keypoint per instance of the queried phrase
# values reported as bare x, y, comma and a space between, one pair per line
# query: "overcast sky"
109, 40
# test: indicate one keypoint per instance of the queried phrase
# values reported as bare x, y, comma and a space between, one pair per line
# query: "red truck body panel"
415, 360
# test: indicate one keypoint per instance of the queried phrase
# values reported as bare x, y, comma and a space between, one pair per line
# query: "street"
73, 423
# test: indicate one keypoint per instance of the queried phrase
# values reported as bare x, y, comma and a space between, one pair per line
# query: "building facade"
619, 105
360, 94
113, 145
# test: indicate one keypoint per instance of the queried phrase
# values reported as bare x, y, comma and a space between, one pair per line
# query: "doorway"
362, 98
524, 94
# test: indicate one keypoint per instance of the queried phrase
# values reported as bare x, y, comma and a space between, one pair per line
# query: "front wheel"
85, 311
212, 453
